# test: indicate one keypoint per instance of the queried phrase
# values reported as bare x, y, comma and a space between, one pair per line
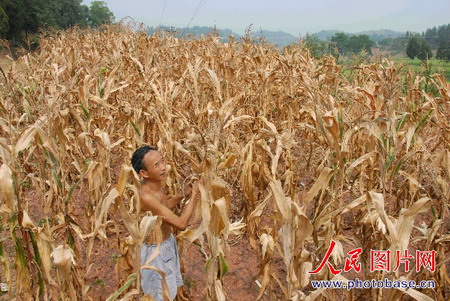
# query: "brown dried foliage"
308, 155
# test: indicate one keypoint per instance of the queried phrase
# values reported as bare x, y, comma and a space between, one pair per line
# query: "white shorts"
168, 261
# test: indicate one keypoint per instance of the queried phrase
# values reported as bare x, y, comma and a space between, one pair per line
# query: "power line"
162, 16
199, 6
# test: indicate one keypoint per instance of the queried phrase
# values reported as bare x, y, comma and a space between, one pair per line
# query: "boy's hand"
189, 187
187, 191
195, 191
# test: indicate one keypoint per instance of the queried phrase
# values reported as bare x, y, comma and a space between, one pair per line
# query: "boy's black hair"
137, 160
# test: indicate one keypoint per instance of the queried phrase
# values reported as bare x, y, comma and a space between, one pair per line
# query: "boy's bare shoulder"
151, 200
152, 196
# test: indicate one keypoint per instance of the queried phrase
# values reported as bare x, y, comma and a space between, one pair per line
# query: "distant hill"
374, 35
195, 31
278, 38
326, 35
378, 35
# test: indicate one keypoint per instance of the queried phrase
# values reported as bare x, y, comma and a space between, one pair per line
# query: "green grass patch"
419, 67
423, 68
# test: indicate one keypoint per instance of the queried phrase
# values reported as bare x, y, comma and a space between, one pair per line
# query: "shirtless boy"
150, 165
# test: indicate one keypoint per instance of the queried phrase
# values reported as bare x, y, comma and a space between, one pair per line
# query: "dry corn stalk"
291, 141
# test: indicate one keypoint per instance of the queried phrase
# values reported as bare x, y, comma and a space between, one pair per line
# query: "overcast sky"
295, 17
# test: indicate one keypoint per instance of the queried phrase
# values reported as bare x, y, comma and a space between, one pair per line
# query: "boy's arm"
179, 222
172, 202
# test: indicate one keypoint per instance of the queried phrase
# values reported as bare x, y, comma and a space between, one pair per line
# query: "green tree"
354, 44
70, 13
46, 12
21, 18
340, 41
444, 33
316, 46
4, 23
357, 43
59, 13
443, 52
99, 14
386, 42
84, 15
425, 51
413, 48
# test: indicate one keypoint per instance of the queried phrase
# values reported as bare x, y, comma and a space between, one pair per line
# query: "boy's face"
155, 166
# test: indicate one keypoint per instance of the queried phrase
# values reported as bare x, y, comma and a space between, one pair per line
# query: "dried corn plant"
309, 155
